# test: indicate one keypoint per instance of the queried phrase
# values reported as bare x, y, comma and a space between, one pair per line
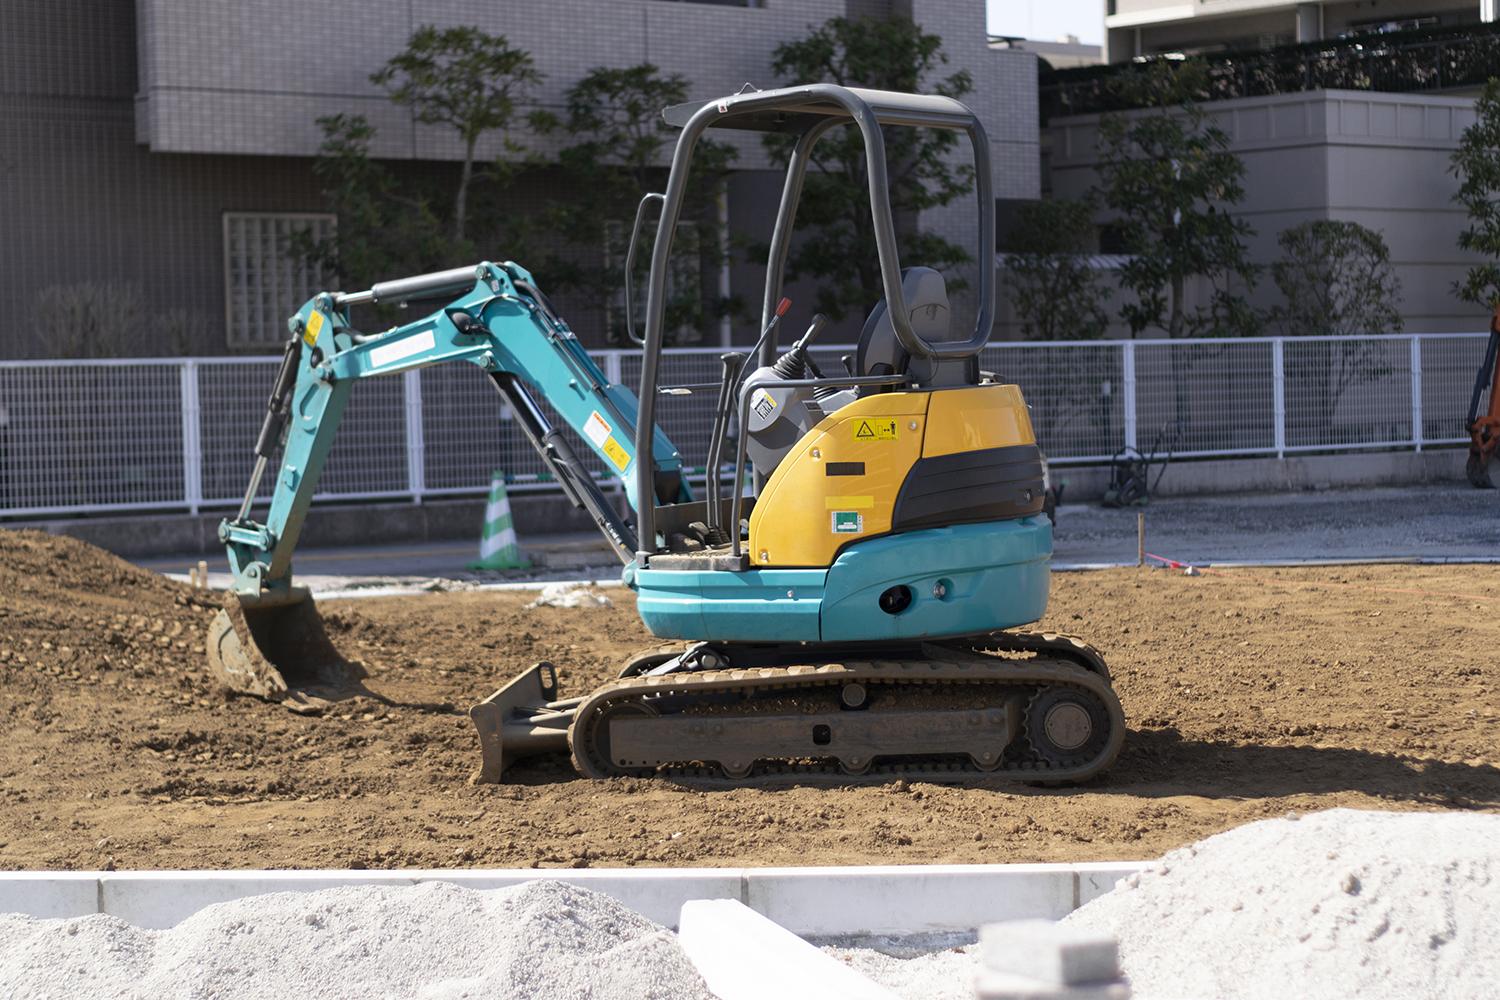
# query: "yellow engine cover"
840, 483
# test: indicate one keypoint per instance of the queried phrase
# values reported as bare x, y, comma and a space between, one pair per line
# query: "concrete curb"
854, 901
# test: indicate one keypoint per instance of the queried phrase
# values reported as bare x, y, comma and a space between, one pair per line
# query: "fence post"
1127, 375
416, 464
1278, 394
1416, 391
612, 367
192, 442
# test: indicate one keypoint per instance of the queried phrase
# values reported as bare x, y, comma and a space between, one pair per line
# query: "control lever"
732, 363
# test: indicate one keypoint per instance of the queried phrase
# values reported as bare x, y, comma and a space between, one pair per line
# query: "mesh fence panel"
1215, 396
231, 406
93, 436
1449, 364
79, 435
1347, 392
1076, 394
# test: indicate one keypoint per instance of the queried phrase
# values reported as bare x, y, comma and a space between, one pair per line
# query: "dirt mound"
1248, 693
73, 614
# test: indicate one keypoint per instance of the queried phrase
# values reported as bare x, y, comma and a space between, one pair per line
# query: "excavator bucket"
280, 652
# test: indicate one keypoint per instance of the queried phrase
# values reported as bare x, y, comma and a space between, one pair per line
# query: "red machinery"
1485, 430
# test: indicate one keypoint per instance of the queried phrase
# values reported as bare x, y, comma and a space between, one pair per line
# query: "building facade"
1380, 160
1152, 27
160, 151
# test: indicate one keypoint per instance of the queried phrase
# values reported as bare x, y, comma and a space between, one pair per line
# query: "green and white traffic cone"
497, 543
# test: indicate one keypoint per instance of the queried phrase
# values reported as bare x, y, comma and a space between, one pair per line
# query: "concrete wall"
1381, 160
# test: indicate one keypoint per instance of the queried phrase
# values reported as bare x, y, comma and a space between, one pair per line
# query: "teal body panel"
759, 605
965, 579
993, 575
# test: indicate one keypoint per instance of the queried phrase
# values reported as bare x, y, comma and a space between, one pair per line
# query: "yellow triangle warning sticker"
874, 430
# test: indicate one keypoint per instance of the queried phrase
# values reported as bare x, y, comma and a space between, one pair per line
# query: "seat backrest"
926, 294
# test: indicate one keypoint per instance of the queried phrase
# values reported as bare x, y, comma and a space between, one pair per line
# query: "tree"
382, 230
839, 250
1055, 291
1170, 178
463, 78
617, 145
1337, 279
1059, 297
1476, 163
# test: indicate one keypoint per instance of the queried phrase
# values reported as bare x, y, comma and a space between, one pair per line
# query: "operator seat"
880, 353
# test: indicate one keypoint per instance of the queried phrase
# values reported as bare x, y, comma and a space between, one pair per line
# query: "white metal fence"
176, 434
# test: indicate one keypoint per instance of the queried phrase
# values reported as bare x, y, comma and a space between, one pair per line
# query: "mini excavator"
853, 618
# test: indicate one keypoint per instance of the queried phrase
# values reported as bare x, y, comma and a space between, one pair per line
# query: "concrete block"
908, 899
658, 894
743, 956
159, 900
49, 894
1049, 952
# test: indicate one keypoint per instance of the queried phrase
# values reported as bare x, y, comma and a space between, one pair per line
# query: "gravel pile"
1342, 903
432, 941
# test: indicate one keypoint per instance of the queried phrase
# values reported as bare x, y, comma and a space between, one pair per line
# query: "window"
264, 282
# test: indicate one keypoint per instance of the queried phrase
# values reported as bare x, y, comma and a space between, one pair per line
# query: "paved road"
1427, 522
1431, 522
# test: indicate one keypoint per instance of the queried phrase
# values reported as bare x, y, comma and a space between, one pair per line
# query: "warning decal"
875, 429
596, 429
762, 403
310, 331
616, 454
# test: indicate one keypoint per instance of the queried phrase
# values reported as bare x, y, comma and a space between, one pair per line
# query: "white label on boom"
596, 429
402, 349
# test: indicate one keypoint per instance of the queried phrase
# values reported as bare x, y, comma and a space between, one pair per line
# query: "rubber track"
944, 669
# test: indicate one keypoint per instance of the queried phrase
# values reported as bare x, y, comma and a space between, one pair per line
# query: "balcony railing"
1400, 62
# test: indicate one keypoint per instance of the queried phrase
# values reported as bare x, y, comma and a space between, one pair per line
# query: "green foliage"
839, 244
463, 78
382, 232
1055, 291
616, 143
1337, 279
1476, 162
1170, 178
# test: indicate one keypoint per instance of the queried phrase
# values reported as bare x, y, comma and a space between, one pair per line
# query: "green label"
848, 522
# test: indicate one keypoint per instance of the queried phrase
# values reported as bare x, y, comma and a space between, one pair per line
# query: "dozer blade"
1477, 468
519, 720
281, 653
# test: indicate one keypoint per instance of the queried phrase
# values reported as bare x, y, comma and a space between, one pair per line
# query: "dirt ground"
1249, 693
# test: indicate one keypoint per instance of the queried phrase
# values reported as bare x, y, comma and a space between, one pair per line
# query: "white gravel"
1335, 904
432, 941
947, 974
1343, 903
570, 594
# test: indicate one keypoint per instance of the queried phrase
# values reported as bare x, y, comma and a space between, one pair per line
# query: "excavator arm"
269, 640
498, 320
